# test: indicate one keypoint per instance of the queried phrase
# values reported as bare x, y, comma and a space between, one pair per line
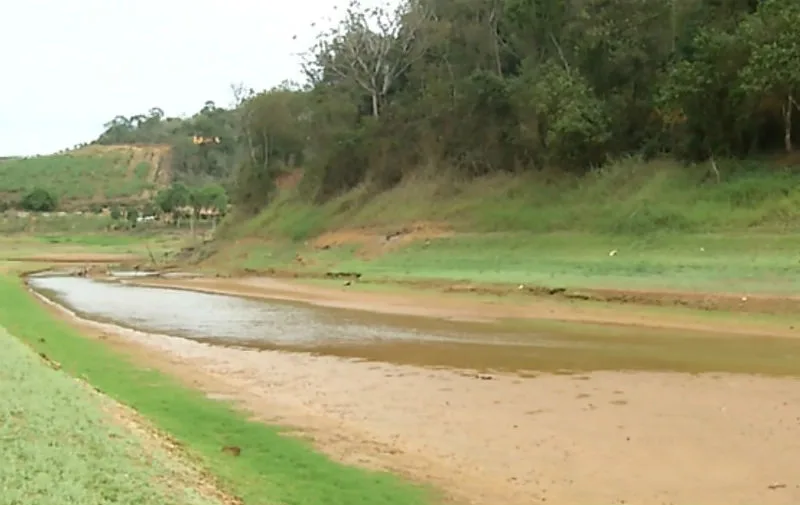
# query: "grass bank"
655, 225
271, 467
91, 176
61, 444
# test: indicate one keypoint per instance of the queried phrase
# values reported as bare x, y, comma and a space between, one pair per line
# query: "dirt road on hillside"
466, 307
611, 437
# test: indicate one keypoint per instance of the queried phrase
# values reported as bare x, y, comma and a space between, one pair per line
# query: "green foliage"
210, 196
116, 213
150, 209
189, 160
77, 178
475, 88
39, 200
173, 198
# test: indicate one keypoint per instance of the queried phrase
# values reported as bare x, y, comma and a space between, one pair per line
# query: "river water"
235, 321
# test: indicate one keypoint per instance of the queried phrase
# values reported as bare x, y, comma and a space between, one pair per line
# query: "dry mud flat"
610, 437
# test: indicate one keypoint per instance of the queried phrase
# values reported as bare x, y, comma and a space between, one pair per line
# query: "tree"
173, 199
371, 48
697, 99
132, 216
477, 87
773, 68
570, 122
211, 196
39, 200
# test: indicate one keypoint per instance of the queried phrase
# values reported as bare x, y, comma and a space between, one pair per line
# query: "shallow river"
229, 320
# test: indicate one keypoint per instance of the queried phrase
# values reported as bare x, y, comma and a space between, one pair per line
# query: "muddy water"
234, 321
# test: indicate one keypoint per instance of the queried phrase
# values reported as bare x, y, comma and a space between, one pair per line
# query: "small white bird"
613, 253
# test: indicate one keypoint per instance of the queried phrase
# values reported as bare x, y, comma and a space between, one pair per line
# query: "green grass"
60, 446
673, 227
76, 178
630, 197
272, 468
141, 242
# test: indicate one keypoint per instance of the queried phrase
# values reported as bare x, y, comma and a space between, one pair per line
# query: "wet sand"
459, 307
605, 437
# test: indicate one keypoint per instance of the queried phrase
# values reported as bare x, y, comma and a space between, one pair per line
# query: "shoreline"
546, 437
476, 307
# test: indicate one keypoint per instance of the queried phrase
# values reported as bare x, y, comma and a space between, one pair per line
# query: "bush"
39, 200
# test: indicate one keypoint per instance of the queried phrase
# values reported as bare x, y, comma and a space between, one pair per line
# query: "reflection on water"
210, 316
229, 320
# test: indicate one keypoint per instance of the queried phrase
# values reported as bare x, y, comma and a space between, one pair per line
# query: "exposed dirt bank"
456, 307
610, 437
78, 257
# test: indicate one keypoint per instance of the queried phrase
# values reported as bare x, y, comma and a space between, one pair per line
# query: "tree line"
471, 88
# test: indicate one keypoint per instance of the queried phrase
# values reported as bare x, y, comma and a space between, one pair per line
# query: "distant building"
200, 140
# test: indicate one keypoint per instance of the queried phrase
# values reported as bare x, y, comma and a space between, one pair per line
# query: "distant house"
200, 140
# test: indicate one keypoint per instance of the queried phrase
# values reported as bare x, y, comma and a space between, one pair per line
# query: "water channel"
235, 321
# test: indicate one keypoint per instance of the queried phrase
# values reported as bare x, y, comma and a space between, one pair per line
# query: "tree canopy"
472, 87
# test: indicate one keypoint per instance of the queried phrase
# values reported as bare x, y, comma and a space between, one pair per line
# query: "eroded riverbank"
601, 437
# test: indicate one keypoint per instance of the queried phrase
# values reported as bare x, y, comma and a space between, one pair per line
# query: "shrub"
39, 200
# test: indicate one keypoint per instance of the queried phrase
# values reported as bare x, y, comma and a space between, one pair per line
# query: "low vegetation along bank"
62, 443
48, 436
633, 225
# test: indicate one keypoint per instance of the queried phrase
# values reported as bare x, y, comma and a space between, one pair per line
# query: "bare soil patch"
289, 180
373, 242
610, 437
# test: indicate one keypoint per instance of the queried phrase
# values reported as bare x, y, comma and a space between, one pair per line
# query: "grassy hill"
643, 225
89, 176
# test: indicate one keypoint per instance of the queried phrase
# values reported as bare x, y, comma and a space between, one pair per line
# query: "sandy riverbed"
609, 437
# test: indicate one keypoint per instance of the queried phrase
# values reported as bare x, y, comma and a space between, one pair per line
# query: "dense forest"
471, 87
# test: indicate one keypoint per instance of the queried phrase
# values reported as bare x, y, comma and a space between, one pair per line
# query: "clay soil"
606, 437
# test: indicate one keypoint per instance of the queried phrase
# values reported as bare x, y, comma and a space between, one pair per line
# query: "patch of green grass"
140, 241
10, 223
75, 178
272, 468
697, 262
630, 197
59, 445
672, 226
687, 262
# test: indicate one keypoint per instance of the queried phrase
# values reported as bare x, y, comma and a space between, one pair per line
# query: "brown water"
234, 321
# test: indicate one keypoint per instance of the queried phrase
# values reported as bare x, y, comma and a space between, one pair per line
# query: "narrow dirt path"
611, 437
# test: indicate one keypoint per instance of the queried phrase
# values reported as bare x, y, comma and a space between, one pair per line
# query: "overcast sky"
68, 66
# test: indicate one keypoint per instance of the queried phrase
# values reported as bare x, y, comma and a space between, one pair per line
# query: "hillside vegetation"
544, 91
90, 176
626, 121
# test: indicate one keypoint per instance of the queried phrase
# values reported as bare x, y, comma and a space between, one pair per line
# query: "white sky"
68, 66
